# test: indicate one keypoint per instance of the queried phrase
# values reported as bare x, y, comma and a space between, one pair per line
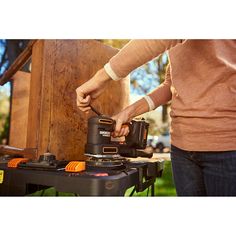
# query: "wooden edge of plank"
18, 63
26, 152
20, 74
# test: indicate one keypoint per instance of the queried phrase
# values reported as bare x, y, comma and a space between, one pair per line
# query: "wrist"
102, 76
150, 102
110, 72
130, 110
137, 108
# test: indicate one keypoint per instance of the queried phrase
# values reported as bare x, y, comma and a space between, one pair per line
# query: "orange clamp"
75, 166
13, 163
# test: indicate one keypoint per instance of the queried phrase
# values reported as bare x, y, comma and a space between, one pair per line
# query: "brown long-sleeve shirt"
203, 87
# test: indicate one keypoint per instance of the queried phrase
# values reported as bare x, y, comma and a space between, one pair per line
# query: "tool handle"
95, 111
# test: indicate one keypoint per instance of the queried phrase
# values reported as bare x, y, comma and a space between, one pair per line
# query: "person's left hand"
121, 119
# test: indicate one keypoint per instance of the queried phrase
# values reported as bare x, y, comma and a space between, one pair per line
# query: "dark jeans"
204, 173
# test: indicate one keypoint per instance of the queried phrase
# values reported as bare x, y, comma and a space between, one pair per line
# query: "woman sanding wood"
201, 84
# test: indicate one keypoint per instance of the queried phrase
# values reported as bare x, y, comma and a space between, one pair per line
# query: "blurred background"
142, 81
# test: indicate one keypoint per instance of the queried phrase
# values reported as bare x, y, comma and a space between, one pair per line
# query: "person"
202, 88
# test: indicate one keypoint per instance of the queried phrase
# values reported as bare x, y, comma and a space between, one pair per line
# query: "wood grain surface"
55, 123
19, 109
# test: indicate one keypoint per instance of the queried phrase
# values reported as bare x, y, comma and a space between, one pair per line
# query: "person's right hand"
91, 90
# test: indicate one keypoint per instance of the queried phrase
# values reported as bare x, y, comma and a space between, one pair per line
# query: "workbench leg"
153, 190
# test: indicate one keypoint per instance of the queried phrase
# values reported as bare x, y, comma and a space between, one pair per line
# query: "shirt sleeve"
136, 53
162, 94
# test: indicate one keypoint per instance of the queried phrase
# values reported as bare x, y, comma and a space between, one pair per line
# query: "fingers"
124, 131
121, 129
118, 128
91, 89
83, 101
85, 109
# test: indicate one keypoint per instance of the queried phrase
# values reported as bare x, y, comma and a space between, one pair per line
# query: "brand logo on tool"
105, 133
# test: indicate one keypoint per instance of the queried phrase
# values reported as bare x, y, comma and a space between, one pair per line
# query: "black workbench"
19, 182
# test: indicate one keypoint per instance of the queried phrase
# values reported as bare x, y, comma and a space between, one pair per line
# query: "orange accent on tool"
75, 166
13, 163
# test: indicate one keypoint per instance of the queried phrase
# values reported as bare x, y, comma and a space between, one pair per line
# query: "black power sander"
100, 143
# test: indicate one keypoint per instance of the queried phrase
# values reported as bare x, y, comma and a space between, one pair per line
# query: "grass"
51, 192
164, 186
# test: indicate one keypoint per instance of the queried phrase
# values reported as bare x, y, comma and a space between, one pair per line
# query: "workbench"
20, 182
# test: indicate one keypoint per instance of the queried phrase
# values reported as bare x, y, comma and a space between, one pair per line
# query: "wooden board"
35, 94
58, 67
19, 109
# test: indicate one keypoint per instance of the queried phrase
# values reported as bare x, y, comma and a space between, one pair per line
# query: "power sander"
105, 151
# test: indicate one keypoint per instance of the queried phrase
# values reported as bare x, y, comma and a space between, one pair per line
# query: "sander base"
118, 163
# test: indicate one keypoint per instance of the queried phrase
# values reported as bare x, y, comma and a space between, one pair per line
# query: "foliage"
164, 186
116, 43
4, 115
5, 130
147, 77
153, 128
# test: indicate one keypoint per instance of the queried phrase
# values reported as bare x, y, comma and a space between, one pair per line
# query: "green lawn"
164, 186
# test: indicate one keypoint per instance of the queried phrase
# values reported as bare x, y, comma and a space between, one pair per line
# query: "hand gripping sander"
100, 143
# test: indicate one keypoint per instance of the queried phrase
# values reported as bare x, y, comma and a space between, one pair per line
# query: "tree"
147, 77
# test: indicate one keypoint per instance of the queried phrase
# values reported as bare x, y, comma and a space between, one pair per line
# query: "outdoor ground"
164, 186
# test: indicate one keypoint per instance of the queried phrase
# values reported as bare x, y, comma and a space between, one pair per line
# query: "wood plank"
19, 109
25, 152
55, 123
35, 94
18, 63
